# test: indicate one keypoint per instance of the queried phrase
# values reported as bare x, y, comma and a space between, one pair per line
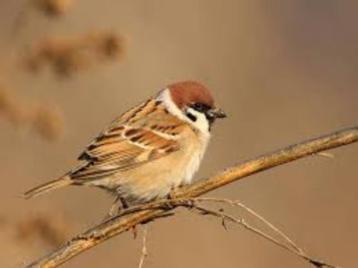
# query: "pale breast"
157, 178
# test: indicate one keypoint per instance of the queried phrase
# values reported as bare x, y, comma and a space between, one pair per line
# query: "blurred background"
284, 71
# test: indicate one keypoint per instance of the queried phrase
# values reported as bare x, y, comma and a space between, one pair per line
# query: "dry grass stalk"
68, 55
144, 253
120, 224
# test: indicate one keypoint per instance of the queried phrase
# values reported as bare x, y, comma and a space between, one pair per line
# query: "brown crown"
189, 92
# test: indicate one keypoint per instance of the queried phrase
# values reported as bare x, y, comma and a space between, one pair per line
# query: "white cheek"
201, 122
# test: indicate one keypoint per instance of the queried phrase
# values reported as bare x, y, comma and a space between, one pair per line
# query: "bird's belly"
156, 179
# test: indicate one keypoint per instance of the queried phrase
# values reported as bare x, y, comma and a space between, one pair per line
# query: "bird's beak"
216, 113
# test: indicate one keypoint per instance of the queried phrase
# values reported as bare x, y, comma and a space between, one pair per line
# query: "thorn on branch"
326, 154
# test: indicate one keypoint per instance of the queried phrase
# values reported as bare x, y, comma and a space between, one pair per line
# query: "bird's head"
192, 102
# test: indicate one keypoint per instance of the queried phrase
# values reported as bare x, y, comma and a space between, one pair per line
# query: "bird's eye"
200, 107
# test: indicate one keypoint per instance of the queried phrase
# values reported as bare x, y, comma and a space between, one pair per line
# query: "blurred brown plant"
48, 122
50, 8
53, 7
10, 107
44, 119
50, 228
67, 55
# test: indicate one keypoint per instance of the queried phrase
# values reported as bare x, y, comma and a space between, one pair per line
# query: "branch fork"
149, 212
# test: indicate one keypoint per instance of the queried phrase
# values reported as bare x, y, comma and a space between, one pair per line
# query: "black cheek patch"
191, 116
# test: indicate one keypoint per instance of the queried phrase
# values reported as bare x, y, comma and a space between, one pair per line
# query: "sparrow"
148, 151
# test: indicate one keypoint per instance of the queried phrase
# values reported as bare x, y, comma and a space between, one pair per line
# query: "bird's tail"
49, 186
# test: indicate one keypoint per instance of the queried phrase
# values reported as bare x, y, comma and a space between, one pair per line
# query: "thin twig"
254, 214
144, 248
119, 224
191, 203
242, 222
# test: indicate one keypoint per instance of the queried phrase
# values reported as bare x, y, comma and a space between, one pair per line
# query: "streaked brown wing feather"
130, 141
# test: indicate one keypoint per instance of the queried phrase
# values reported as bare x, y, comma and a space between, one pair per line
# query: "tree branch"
120, 224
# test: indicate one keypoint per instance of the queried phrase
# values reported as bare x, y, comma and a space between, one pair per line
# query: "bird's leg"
124, 203
174, 201
171, 195
117, 206
170, 198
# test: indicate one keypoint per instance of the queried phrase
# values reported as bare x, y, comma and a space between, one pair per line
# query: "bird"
148, 151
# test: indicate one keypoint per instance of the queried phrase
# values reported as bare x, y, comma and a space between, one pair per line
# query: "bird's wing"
141, 135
